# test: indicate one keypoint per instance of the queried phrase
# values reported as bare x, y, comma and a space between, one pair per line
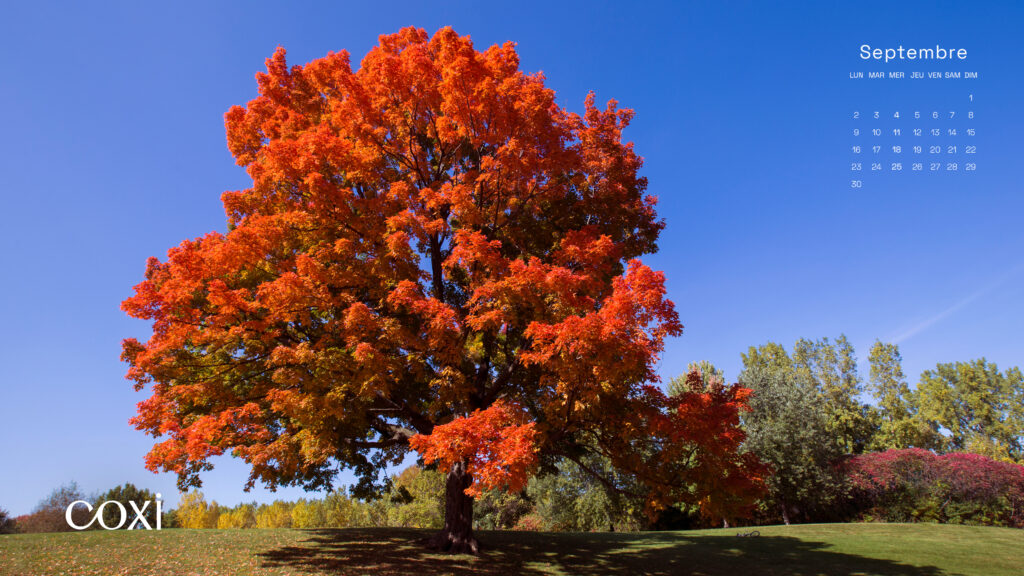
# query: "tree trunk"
785, 513
457, 535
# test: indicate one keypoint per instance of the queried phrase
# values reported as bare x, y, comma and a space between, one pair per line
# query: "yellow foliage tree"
194, 512
276, 515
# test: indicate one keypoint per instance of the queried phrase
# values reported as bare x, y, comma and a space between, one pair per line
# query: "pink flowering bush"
917, 485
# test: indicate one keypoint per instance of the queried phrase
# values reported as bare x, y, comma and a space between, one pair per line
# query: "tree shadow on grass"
387, 551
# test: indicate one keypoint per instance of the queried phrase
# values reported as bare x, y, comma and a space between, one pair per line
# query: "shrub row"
916, 485
910, 485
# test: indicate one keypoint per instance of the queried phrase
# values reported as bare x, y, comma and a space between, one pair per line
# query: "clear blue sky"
113, 150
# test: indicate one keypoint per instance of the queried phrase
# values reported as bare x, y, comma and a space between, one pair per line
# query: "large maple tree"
433, 255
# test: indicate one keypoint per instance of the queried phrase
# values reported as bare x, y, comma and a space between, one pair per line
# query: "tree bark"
457, 535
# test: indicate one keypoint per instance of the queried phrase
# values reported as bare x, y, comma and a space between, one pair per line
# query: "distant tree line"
839, 447
50, 515
568, 500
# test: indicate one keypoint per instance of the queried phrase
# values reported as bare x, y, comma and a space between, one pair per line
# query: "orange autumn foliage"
706, 422
498, 443
433, 254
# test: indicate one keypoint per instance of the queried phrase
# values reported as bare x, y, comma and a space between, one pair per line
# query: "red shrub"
530, 523
914, 485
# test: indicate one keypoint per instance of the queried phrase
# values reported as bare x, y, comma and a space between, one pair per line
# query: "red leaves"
614, 343
423, 236
708, 417
687, 448
439, 322
498, 443
973, 475
956, 487
206, 436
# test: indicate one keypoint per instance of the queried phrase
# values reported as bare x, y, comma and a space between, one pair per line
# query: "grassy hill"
822, 549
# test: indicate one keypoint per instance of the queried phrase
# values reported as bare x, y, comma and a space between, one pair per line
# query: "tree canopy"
901, 425
126, 494
433, 254
980, 407
788, 428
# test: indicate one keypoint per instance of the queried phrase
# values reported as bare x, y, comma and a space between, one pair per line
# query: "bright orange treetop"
433, 254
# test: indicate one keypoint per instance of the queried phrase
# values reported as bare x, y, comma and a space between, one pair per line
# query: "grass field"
832, 549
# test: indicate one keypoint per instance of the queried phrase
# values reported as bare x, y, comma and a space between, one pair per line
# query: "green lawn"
839, 549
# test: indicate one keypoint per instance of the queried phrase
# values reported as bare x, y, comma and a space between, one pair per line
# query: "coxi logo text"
98, 516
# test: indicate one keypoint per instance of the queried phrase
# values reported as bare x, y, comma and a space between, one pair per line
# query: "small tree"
7, 524
788, 429
194, 511
50, 514
125, 495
